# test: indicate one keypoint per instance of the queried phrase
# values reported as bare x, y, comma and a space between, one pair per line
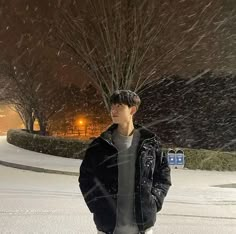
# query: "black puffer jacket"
99, 180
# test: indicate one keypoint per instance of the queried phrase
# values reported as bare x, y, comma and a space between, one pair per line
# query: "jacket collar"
144, 132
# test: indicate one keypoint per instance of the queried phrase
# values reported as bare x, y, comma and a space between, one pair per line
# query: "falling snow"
47, 63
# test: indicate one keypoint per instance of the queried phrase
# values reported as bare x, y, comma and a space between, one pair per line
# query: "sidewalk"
13, 156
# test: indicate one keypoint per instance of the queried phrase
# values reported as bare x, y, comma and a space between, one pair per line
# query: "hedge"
69, 148
209, 159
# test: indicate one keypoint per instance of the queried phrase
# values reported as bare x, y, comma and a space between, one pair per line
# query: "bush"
209, 160
69, 148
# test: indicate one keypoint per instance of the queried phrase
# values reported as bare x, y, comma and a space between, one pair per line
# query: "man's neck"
126, 129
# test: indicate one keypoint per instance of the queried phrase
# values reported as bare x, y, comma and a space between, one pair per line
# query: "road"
33, 202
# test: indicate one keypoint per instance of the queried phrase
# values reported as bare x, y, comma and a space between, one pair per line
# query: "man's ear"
133, 110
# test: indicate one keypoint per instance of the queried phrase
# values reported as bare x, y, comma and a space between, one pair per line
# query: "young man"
124, 176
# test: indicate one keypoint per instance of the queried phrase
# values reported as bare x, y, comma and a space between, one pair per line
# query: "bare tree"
32, 92
28, 65
125, 44
50, 100
14, 92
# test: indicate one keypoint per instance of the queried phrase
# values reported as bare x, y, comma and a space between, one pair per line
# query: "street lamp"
82, 125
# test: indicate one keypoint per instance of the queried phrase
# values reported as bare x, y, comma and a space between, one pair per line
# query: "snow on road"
198, 201
11, 153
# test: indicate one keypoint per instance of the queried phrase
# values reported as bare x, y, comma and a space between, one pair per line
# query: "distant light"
80, 122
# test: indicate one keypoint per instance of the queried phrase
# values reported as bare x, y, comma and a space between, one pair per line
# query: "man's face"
121, 113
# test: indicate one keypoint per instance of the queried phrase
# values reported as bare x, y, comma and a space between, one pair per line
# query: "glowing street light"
80, 122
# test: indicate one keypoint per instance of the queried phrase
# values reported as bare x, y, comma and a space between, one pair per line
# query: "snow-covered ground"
11, 153
34, 202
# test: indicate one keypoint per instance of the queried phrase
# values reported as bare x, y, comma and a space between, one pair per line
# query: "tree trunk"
42, 126
30, 124
26, 117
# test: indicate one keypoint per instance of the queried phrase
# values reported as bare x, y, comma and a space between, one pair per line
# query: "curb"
37, 169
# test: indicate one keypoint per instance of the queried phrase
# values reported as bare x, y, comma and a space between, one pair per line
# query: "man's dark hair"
126, 97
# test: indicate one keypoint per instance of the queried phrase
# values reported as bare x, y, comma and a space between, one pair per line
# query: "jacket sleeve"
87, 181
161, 178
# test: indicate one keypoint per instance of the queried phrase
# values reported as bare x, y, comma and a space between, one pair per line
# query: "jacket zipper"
140, 181
140, 178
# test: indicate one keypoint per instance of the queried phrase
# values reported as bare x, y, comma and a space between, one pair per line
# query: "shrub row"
210, 160
69, 148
